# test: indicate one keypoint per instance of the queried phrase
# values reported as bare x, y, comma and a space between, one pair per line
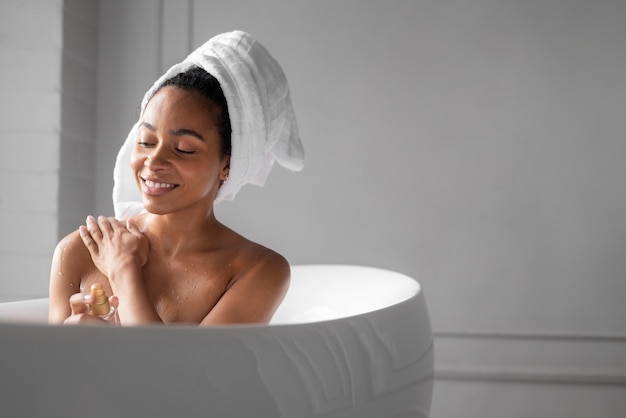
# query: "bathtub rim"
416, 293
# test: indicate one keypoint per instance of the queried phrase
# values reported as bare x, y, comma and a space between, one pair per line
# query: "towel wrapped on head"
263, 122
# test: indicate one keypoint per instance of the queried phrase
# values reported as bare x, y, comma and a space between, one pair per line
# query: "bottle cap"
100, 303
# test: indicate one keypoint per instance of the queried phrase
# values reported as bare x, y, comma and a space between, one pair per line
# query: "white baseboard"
531, 357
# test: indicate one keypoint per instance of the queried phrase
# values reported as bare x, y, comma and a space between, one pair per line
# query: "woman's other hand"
113, 243
79, 305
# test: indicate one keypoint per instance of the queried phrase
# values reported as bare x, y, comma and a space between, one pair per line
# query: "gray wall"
29, 120
47, 130
475, 146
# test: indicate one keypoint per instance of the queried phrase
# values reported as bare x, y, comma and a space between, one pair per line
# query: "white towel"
262, 118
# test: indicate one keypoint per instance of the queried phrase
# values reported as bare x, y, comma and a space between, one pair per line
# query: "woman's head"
180, 158
197, 79
258, 110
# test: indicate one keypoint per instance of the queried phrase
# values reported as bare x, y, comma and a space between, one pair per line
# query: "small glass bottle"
100, 305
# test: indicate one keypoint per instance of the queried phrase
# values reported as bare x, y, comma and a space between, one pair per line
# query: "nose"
157, 159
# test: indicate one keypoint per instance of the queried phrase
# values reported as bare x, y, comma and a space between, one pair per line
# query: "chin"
157, 209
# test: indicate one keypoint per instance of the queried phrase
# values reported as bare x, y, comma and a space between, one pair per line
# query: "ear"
225, 169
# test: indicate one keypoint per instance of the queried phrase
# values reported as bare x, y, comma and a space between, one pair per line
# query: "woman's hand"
119, 251
112, 243
79, 305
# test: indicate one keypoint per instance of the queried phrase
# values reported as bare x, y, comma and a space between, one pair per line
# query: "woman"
170, 260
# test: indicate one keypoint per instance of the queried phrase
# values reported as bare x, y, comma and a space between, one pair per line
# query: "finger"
93, 228
87, 240
119, 228
115, 224
105, 226
79, 303
114, 301
132, 227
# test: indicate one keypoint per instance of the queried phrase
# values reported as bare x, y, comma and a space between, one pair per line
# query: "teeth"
154, 185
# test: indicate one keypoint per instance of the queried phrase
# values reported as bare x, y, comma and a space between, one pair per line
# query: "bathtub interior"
316, 293
325, 292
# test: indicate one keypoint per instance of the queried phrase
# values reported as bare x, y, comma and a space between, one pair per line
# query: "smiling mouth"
154, 188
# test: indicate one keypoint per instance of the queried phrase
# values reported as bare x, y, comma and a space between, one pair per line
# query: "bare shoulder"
259, 280
256, 262
71, 253
253, 261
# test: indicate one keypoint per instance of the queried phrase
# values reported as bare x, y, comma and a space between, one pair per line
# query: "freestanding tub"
348, 341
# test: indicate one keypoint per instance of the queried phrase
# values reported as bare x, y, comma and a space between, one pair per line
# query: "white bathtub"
348, 341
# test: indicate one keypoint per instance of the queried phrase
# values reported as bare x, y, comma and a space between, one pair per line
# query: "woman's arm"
119, 251
70, 264
65, 276
255, 294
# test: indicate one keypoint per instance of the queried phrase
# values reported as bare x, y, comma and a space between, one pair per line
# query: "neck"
175, 233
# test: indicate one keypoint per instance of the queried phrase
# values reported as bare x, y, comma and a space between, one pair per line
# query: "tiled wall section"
31, 41
46, 127
78, 113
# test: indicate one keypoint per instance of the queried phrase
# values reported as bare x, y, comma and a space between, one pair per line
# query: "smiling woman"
205, 130
179, 154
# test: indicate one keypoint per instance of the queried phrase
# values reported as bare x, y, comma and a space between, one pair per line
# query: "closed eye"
182, 151
144, 144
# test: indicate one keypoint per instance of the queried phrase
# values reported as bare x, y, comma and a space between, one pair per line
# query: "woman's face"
177, 160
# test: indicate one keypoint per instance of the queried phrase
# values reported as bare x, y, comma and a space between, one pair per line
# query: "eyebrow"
176, 132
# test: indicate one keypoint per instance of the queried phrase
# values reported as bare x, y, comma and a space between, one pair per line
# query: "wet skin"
176, 263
